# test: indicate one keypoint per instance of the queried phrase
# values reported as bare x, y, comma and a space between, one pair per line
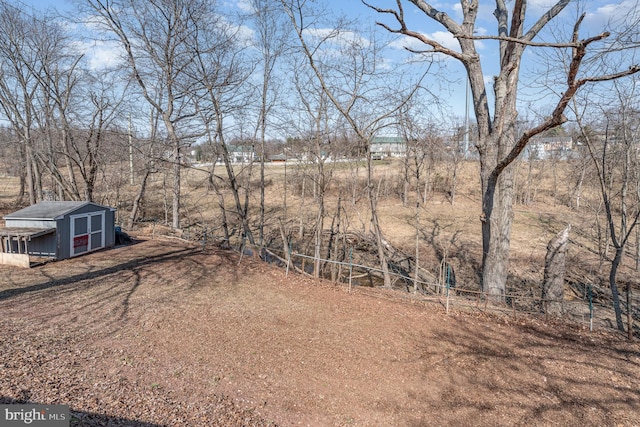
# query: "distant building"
241, 154
277, 158
388, 146
558, 147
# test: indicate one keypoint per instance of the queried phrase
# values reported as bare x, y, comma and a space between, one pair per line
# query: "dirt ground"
163, 334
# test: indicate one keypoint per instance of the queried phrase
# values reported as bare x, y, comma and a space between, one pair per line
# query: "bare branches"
524, 42
545, 19
557, 117
440, 16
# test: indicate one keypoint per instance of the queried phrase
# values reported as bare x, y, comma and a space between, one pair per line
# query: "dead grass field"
163, 334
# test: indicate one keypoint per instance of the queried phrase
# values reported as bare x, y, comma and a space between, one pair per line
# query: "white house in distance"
388, 146
558, 147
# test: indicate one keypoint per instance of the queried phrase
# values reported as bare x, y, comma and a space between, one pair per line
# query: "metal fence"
586, 311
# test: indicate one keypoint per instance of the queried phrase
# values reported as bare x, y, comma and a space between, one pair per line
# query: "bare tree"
221, 69
497, 140
271, 33
157, 38
615, 156
317, 118
415, 162
357, 88
80, 110
19, 87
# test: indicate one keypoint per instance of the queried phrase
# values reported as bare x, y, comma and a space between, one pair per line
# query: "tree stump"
554, 267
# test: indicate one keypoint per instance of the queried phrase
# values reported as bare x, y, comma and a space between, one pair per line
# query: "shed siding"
43, 246
62, 237
109, 228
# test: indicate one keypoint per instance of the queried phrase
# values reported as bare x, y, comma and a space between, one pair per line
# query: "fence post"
447, 309
590, 308
350, 267
286, 274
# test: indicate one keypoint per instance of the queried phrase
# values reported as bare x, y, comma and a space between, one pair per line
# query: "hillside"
162, 333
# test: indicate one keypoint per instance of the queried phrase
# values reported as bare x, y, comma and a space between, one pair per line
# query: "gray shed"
56, 230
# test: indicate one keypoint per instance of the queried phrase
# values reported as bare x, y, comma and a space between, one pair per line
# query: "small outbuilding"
56, 230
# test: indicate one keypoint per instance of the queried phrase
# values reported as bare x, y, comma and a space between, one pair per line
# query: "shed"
57, 230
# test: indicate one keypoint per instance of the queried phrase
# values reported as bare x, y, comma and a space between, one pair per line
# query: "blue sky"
599, 12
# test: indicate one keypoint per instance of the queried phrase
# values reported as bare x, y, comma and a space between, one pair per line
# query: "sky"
453, 87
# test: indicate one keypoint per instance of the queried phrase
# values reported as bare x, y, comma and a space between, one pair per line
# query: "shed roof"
25, 232
48, 210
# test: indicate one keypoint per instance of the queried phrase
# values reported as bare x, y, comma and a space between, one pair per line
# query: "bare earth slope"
163, 334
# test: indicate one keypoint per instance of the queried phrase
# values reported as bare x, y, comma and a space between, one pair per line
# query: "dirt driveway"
163, 334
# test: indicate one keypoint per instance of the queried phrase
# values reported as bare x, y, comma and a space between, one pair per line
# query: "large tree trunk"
554, 267
497, 217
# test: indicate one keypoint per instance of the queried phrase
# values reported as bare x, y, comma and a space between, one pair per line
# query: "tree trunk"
317, 253
175, 204
30, 174
554, 268
454, 182
629, 313
614, 287
497, 217
23, 175
138, 200
638, 249
375, 223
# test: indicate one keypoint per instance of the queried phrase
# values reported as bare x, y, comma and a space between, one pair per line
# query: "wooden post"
447, 311
286, 274
350, 267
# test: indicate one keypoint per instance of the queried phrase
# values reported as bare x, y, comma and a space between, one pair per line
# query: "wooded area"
260, 126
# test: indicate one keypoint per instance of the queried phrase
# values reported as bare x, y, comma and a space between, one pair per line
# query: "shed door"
87, 232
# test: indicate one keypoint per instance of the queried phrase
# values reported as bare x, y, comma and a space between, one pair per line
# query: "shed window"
80, 225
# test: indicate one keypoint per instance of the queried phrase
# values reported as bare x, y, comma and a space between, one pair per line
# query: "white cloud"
104, 55
244, 6
609, 13
341, 38
98, 54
